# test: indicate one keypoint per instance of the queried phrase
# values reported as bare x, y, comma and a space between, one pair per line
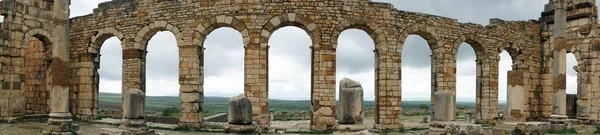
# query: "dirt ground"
36, 128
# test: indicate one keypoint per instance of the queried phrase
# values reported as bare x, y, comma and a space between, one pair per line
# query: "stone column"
445, 106
304, 115
240, 116
284, 116
350, 116
271, 115
559, 98
516, 94
134, 116
468, 117
60, 121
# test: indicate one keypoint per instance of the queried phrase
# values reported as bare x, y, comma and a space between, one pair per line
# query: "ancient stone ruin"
49, 62
351, 114
240, 116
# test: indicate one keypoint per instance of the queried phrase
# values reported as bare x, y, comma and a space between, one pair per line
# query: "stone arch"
423, 31
102, 35
37, 44
373, 29
476, 43
290, 19
209, 25
142, 37
515, 51
40, 34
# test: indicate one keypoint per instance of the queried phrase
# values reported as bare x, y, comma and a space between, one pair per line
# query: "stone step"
35, 117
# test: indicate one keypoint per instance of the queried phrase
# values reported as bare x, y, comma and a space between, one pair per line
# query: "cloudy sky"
290, 55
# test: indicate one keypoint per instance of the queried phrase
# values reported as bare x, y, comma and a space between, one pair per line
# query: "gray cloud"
355, 51
224, 48
111, 64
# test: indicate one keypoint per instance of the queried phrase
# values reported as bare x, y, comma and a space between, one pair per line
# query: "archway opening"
416, 76
110, 73
37, 83
162, 75
289, 73
572, 85
355, 60
223, 70
466, 81
504, 67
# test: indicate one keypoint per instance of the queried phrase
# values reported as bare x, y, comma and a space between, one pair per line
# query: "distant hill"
221, 104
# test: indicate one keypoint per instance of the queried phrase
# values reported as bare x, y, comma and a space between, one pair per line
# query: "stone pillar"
191, 91
444, 106
559, 98
256, 83
134, 116
240, 116
350, 116
271, 115
468, 117
516, 94
304, 115
284, 116
60, 121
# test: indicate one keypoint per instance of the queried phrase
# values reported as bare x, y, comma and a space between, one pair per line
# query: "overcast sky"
290, 55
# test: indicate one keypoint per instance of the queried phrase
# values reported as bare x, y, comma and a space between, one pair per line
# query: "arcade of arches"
32, 72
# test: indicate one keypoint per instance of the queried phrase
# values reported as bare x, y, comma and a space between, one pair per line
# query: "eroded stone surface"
351, 102
240, 110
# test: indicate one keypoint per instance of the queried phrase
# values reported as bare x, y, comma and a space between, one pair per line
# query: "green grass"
214, 105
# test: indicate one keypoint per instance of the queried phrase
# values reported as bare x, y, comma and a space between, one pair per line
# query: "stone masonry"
36, 63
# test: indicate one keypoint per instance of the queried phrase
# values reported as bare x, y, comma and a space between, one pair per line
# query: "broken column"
516, 95
559, 67
350, 116
134, 117
271, 115
468, 117
444, 106
284, 116
532, 128
304, 115
240, 116
60, 118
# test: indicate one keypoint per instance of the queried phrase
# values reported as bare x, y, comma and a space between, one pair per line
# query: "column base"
134, 125
229, 128
350, 127
118, 131
389, 126
60, 123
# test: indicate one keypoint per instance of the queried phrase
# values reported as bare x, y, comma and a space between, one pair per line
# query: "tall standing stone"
134, 119
240, 115
351, 102
350, 113
240, 110
444, 106
60, 121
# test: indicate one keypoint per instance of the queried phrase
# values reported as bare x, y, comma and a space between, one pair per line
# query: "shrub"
171, 111
424, 106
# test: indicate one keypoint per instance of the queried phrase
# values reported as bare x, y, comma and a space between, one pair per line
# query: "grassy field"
221, 104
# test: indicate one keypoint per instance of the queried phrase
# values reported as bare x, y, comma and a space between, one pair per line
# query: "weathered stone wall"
580, 40
536, 50
23, 19
37, 90
135, 22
